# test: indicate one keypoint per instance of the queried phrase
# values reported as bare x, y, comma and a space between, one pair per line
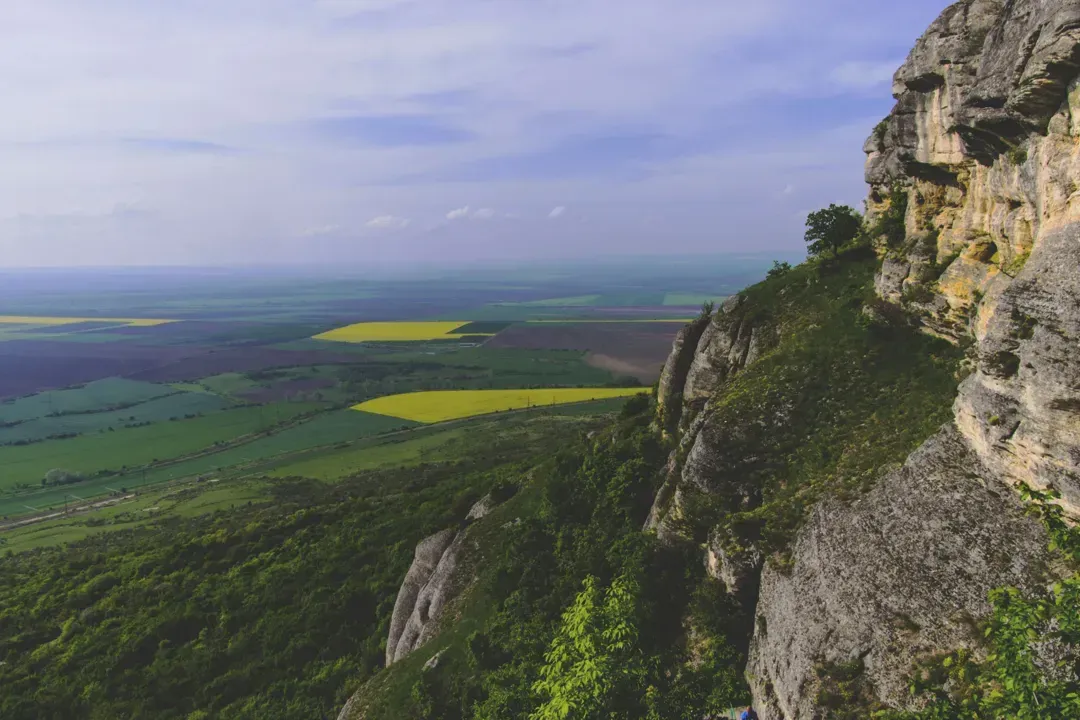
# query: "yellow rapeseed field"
432, 406
396, 331
36, 320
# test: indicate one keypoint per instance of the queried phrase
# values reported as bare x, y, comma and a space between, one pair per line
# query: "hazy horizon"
380, 133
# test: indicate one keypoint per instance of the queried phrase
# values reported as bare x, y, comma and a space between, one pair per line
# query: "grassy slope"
839, 400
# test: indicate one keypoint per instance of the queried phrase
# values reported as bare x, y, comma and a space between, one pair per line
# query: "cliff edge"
975, 207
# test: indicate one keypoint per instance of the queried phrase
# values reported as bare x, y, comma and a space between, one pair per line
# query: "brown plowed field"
636, 349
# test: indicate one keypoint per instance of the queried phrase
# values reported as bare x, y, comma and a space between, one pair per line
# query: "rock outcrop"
434, 579
897, 576
722, 346
975, 192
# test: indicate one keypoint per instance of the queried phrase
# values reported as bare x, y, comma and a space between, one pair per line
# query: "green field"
328, 429
453, 441
135, 447
576, 301
168, 407
97, 395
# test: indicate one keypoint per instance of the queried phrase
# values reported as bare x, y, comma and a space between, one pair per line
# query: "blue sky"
380, 133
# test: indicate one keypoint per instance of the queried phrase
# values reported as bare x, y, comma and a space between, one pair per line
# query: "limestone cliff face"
433, 580
985, 145
706, 354
975, 187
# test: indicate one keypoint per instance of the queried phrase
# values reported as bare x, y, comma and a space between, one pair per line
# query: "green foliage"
843, 691
891, 222
832, 228
778, 269
272, 611
578, 612
1014, 266
594, 658
1017, 155
918, 294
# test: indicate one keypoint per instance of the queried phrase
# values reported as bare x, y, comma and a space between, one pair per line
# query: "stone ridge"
982, 153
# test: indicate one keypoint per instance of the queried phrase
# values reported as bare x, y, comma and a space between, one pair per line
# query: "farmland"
398, 332
159, 380
134, 447
62, 321
441, 405
94, 396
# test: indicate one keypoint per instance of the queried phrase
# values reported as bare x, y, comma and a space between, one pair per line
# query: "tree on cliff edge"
831, 229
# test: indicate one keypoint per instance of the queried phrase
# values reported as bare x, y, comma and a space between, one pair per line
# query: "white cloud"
321, 231
388, 222
557, 212
788, 189
458, 213
468, 212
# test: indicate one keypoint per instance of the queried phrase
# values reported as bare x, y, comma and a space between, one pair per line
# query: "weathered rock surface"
673, 376
897, 576
434, 579
726, 344
729, 343
429, 554
1021, 409
984, 142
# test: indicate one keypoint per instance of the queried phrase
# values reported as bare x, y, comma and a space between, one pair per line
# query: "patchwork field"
625, 349
92, 397
400, 332
441, 405
164, 378
174, 406
134, 447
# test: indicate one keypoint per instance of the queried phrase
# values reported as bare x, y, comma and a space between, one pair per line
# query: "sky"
382, 133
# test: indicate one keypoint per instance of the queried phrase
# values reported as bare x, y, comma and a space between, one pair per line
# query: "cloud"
467, 213
388, 222
458, 213
557, 212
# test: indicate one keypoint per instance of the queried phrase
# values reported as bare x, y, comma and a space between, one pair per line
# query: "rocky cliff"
975, 198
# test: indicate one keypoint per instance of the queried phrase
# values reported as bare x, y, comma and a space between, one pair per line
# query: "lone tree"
831, 229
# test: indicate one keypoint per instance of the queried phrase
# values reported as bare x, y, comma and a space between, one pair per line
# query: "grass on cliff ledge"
840, 399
